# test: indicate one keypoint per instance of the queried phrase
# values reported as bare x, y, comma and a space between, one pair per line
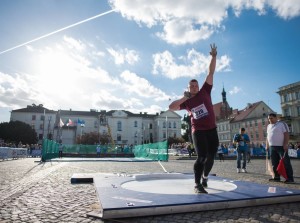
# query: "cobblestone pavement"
41, 192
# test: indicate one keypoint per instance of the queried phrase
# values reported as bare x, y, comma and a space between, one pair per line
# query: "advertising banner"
12, 153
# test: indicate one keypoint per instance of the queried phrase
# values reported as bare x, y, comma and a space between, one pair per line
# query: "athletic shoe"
238, 170
204, 182
274, 179
199, 189
244, 171
289, 182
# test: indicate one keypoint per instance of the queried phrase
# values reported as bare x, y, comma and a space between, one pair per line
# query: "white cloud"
183, 21
14, 90
66, 77
160, 11
235, 90
124, 56
141, 87
182, 32
286, 9
62, 75
193, 64
188, 21
105, 99
223, 64
72, 43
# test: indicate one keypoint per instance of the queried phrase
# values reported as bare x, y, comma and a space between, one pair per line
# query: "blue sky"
143, 53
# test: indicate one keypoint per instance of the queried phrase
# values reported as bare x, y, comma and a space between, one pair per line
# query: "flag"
70, 123
81, 122
281, 168
61, 124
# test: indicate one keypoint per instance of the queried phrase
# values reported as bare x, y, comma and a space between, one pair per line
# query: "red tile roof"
217, 109
242, 114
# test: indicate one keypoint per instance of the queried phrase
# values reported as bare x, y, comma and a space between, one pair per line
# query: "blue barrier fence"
260, 152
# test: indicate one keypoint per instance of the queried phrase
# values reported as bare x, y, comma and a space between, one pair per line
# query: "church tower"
223, 95
225, 108
222, 109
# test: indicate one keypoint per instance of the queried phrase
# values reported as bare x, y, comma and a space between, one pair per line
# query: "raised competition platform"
122, 195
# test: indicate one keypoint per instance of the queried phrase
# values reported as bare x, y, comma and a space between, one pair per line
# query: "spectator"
60, 150
277, 142
98, 150
220, 152
241, 140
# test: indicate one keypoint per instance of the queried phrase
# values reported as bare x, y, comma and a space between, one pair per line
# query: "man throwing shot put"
204, 129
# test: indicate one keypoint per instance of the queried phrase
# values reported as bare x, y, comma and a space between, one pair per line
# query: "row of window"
33, 117
225, 127
119, 125
291, 96
287, 111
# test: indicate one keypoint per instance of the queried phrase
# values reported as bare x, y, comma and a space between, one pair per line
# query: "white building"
126, 127
41, 119
290, 106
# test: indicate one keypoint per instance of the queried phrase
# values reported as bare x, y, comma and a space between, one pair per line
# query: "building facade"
254, 118
224, 132
290, 106
130, 128
41, 119
124, 127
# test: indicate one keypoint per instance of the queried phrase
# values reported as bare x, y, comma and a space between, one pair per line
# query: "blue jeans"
241, 154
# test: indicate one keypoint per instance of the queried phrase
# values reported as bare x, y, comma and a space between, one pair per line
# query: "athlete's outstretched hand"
213, 51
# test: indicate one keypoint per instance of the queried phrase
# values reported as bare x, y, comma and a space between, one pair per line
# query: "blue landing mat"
122, 195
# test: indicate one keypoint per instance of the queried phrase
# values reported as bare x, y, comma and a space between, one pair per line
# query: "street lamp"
81, 126
44, 116
49, 120
167, 128
100, 119
144, 137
